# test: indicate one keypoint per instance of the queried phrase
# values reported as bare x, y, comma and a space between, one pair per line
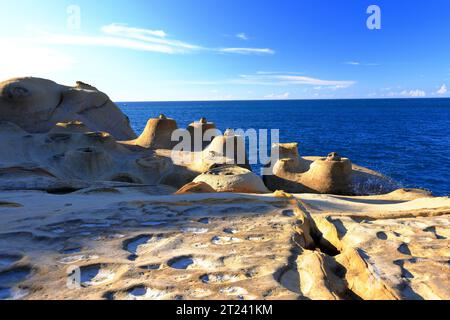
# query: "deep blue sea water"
406, 139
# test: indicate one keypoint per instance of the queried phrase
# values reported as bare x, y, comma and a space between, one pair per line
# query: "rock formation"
61, 160
232, 178
224, 150
87, 210
398, 252
66, 142
330, 175
135, 243
202, 132
230, 147
37, 105
157, 134
196, 187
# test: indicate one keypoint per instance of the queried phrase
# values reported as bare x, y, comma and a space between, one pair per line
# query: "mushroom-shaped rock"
202, 133
289, 151
157, 134
229, 149
196, 187
325, 175
37, 105
232, 178
332, 174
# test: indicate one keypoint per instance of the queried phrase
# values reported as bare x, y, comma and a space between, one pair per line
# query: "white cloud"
357, 63
106, 41
418, 93
338, 84
277, 72
125, 37
116, 28
157, 37
413, 93
117, 36
246, 51
242, 36
443, 90
273, 79
278, 96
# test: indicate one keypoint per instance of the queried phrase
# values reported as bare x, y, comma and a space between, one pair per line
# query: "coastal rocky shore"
89, 209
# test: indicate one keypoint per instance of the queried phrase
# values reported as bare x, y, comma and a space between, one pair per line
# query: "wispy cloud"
120, 36
357, 63
274, 79
156, 37
315, 81
116, 28
247, 51
106, 41
242, 36
125, 37
278, 72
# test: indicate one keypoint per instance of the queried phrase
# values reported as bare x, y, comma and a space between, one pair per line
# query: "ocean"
405, 139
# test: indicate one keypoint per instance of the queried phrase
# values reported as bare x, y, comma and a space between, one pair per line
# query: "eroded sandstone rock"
391, 254
232, 178
37, 105
202, 132
196, 187
72, 159
330, 175
157, 134
142, 246
109, 212
224, 150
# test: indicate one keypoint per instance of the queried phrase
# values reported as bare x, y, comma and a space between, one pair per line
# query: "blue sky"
229, 49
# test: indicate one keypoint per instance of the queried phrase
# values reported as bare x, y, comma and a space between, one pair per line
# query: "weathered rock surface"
392, 247
128, 244
37, 105
57, 160
135, 243
232, 178
196, 187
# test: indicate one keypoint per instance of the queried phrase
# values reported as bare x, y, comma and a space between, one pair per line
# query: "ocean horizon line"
280, 100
